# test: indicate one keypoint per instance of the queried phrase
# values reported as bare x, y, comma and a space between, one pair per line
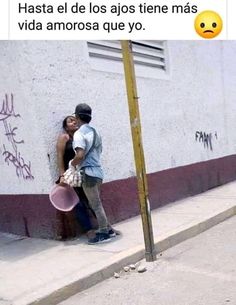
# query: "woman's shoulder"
63, 137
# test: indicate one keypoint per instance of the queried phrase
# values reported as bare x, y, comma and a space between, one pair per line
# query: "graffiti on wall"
12, 155
205, 138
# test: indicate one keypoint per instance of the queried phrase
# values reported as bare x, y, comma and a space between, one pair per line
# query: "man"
87, 144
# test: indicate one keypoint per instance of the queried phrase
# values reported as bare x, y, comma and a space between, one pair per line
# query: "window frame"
104, 59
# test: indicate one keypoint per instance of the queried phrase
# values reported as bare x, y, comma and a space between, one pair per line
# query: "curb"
131, 256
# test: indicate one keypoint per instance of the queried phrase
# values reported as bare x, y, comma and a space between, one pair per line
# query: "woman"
65, 153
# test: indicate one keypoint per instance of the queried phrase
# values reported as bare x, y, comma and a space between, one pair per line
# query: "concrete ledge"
118, 261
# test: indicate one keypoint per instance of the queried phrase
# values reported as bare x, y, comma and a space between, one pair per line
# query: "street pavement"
199, 271
46, 272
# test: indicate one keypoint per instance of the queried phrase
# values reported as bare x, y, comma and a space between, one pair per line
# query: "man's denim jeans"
91, 187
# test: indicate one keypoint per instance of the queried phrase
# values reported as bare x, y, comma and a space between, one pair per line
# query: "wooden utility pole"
150, 253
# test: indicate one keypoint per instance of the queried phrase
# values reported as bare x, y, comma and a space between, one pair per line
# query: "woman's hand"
62, 180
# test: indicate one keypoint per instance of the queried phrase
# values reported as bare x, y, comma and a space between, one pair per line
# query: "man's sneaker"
114, 233
99, 239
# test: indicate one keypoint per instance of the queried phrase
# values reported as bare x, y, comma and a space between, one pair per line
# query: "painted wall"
23, 163
187, 118
175, 113
47, 80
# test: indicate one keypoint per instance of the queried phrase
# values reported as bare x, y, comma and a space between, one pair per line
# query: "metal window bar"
146, 53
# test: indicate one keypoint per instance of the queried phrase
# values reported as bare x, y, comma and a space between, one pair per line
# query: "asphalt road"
199, 271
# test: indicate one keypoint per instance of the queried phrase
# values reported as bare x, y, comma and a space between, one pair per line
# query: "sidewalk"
35, 271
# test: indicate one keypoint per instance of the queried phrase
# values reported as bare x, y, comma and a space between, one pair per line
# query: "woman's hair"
64, 122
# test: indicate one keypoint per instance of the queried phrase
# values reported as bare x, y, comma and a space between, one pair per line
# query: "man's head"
83, 112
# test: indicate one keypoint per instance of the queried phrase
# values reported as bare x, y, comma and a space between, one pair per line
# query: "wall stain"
26, 227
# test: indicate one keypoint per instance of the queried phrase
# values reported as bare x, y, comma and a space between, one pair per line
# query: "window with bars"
150, 56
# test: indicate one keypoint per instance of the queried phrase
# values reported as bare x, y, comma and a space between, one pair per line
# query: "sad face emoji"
208, 24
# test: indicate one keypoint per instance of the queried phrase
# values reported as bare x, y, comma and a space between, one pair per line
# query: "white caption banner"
109, 19
4, 19
231, 19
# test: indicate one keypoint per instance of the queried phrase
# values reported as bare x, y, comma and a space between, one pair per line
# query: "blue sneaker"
99, 239
113, 232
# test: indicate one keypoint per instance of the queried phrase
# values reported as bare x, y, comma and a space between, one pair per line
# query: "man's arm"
79, 156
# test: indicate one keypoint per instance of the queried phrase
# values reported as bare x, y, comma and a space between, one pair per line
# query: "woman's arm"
61, 145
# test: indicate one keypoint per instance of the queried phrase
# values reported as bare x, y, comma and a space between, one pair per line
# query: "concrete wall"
187, 118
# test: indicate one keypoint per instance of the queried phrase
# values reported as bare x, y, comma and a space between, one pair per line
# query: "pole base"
151, 257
